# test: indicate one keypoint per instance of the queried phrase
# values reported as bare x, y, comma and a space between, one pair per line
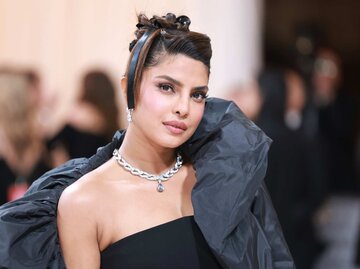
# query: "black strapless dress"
178, 244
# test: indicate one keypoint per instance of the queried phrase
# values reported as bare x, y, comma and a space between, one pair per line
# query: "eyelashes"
165, 87
197, 95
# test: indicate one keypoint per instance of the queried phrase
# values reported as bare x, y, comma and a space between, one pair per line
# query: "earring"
129, 114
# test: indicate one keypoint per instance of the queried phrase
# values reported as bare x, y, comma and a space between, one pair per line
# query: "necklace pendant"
137, 172
160, 187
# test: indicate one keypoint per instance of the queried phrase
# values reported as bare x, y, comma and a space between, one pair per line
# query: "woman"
293, 163
23, 157
91, 123
146, 207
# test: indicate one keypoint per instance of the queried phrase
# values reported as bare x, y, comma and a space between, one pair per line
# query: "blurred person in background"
293, 177
295, 100
43, 102
330, 118
22, 150
91, 123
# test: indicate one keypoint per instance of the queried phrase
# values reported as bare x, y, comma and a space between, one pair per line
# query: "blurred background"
291, 65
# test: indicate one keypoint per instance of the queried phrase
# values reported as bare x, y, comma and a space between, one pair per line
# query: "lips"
176, 127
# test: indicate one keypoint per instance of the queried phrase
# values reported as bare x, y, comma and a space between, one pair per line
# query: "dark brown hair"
99, 90
169, 35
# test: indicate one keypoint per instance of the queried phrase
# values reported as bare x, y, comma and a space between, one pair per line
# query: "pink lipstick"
175, 127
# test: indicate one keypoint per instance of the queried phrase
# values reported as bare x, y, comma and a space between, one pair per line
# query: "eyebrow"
178, 83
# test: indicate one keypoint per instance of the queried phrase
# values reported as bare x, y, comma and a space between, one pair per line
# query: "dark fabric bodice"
178, 244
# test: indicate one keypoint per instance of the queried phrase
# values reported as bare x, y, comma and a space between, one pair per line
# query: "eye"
199, 96
166, 87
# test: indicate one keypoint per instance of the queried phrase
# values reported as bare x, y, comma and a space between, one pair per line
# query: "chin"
175, 142
173, 145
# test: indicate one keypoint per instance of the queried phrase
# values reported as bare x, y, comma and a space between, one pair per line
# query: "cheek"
152, 102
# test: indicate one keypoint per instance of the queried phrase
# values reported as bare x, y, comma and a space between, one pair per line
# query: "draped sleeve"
28, 232
231, 205
28, 228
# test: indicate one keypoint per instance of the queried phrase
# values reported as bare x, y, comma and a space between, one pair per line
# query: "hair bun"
184, 20
167, 22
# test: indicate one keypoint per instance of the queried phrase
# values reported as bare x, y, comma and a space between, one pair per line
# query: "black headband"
132, 68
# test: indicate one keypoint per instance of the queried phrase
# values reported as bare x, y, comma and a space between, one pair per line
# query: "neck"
139, 152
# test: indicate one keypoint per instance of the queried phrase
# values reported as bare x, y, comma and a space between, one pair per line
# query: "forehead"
180, 67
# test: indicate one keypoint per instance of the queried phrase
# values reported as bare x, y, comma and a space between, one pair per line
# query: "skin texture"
109, 203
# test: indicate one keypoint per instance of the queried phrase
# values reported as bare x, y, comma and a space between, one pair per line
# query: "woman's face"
171, 100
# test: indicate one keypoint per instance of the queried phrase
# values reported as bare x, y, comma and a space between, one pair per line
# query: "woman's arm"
77, 229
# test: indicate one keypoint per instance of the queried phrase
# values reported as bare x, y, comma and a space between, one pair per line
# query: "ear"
123, 86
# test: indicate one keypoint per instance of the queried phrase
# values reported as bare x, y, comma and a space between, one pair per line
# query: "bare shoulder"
79, 195
83, 195
77, 201
78, 220
81, 186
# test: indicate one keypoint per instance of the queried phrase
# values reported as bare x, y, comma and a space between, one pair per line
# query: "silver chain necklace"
137, 172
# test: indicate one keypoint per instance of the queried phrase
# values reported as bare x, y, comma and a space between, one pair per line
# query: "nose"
181, 107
